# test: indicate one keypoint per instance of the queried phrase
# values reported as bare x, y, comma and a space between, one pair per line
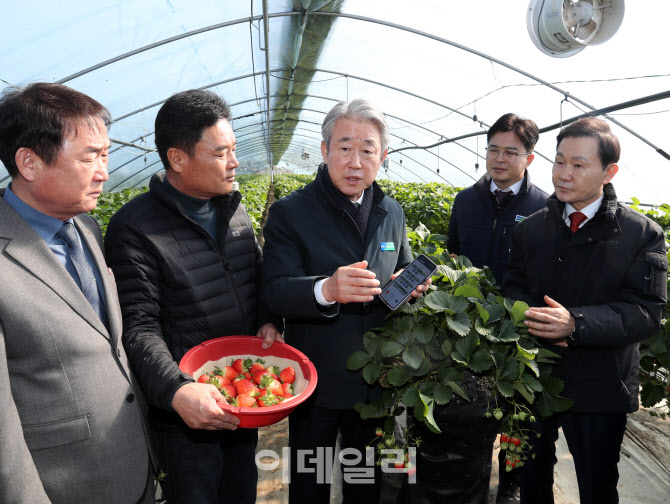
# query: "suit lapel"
29, 249
108, 285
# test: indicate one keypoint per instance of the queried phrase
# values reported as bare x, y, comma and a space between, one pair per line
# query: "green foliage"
110, 202
254, 189
424, 203
286, 184
655, 351
462, 325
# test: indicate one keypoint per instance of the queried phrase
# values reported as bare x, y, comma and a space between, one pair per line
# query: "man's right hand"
351, 284
197, 404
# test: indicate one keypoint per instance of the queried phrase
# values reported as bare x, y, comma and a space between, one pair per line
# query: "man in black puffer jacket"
187, 266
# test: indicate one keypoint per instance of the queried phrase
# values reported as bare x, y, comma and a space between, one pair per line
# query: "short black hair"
39, 117
609, 149
525, 129
183, 117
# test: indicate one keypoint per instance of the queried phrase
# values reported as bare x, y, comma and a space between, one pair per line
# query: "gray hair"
358, 110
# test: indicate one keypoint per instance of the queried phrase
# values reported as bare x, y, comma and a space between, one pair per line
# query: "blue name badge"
519, 218
387, 246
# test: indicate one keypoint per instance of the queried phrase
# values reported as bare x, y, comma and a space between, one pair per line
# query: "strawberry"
218, 381
246, 387
245, 401
258, 376
504, 438
259, 365
229, 392
269, 383
287, 388
379, 432
287, 395
268, 399
204, 378
287, 375
399, 465
227, 372
241, 365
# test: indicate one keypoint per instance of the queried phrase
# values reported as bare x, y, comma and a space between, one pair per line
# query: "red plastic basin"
220, 351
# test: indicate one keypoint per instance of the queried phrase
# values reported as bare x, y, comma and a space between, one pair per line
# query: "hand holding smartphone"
400, 289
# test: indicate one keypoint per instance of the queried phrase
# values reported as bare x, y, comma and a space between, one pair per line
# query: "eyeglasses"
509, 156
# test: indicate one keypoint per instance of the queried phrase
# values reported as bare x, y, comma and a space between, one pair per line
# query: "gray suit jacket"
71, 418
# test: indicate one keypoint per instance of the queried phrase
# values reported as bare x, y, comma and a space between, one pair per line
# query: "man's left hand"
270, 334
553, 322
418, 292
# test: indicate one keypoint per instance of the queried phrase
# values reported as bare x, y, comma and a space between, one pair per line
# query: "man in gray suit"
71, 416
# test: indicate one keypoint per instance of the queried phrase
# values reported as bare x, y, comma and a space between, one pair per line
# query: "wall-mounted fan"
562, 28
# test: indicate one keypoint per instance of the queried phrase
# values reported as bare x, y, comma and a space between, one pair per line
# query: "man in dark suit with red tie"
594, 273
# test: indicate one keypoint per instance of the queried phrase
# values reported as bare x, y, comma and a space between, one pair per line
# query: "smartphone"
399, 290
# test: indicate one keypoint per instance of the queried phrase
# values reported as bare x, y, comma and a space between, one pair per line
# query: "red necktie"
576, 218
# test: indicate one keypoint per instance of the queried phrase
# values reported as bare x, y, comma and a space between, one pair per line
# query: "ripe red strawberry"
287, 375
241, 365
287, 395
287, 388
258, 376
379, 432
399, 465
247, 387
229, 392
218, 381
204, 378
259, 365
504, 438
515, 441
228, 373
269, 383
268, 399
245, 401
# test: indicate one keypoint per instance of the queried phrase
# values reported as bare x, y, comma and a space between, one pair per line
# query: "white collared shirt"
515, 188
589, 210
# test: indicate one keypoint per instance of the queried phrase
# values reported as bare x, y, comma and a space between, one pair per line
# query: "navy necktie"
84, 271
502, 196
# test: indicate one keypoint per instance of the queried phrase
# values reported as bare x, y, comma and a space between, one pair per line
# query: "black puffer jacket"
177, 287
611, 276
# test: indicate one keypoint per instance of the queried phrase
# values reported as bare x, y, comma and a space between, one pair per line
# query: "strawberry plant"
462, 327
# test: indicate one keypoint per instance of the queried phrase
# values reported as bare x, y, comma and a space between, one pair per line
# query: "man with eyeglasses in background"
484, 215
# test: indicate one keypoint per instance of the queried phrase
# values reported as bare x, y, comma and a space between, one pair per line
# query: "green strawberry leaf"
548, 404
440, 301
398, 376
458, 390
423, 333
446, 347
527, 394
460, 324
481, 361
413, 357
411, 397
482, 312
443, 394
428, 407
357, 360
371, 372
507, 332
391, 348
506, 388
532, 382
468, 291
518, 312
